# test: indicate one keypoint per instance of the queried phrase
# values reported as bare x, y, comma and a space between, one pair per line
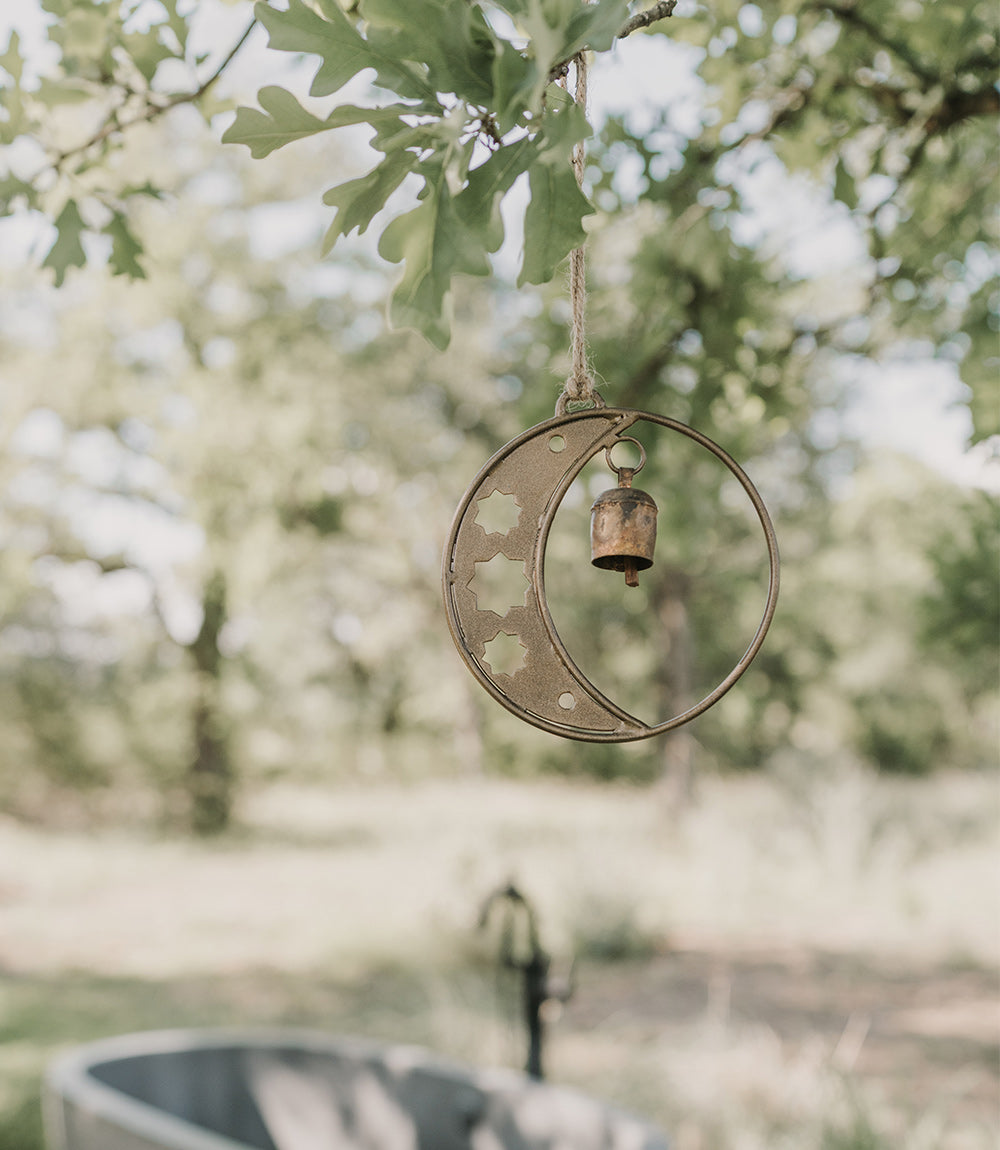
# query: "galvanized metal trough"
303, 1090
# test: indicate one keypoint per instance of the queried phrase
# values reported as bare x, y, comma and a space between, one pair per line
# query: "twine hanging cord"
579, 387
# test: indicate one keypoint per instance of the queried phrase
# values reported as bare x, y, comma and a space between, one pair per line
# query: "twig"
787, 102
659, 11
186, 97
152, 111
489, 128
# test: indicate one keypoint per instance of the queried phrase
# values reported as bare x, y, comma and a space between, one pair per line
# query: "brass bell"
623, 528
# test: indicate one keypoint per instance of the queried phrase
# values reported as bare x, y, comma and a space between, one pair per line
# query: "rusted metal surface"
535, 470
623, 527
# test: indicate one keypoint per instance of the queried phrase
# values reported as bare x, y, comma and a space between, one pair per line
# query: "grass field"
796, 963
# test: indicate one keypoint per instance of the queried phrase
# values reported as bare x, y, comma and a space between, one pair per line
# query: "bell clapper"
631, 570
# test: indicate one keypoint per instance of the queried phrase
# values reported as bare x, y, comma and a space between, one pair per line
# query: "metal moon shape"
533, 472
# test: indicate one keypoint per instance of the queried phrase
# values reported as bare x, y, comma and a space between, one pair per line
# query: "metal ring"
618, 470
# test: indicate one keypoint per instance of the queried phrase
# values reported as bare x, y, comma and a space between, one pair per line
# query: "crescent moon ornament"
530, 475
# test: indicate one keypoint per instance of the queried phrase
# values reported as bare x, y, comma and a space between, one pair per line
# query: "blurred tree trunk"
210, 778
674, 677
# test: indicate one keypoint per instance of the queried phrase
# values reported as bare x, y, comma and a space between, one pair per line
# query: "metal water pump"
533, 964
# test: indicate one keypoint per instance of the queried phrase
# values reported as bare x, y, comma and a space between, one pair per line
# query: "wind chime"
535, 470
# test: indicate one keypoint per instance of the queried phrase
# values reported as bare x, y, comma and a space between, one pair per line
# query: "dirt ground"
811, 969
910, 1033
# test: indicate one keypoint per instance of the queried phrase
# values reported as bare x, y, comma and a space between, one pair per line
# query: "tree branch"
187, 97
849, 14
958, 106
153, 111
659, 11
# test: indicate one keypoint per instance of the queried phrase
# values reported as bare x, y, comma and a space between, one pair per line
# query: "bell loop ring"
624, 472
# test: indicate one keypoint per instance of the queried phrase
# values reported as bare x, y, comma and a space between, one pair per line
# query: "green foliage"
344, 52
320, 461
961, 616
286, 456
552, 223
359, 201
888, 109
480, 112
67, 251
434, 242
125, 249
910, 701
860, 1134
606, 928
110, 70
892, 106
284, 120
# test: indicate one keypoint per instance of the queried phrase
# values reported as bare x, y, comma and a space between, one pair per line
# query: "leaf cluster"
477, 107
109, 73
891, 107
